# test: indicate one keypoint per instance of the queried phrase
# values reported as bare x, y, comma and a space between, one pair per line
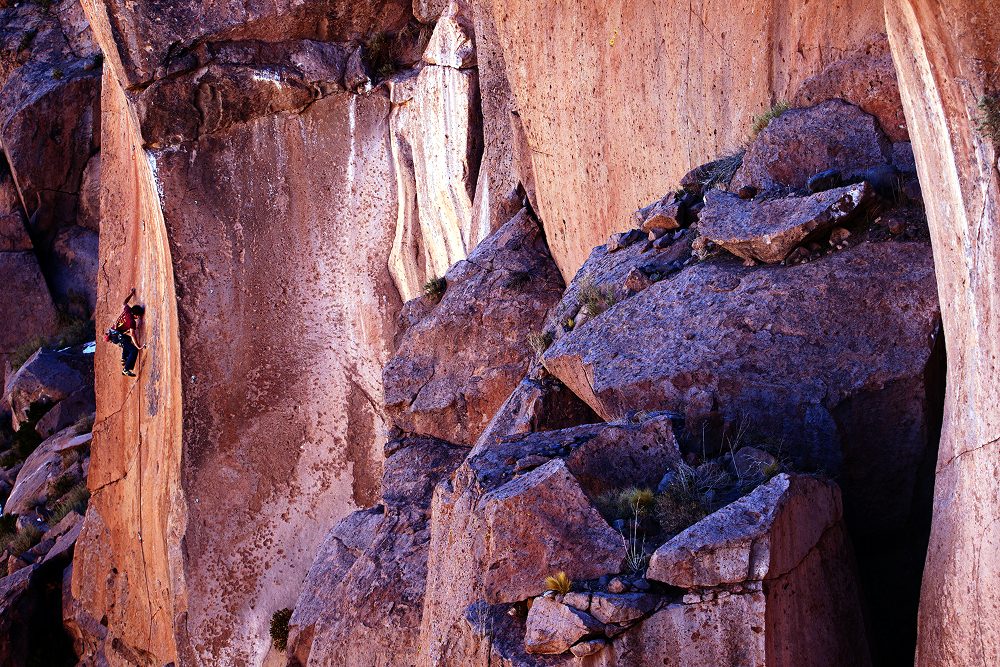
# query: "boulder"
804, 355
497, 533
553, 628
23, 283
665, 214
866, 78
373, 564
763, 535
803, 142
454, 369
13, 234
67, 412
525, 515
74, 270
624, 608
42, 465
769, 230
538, 403
48, 377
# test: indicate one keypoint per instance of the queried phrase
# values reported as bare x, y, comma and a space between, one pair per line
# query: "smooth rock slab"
767, 231
763, 535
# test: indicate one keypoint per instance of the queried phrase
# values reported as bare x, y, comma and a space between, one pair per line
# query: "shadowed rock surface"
457, 365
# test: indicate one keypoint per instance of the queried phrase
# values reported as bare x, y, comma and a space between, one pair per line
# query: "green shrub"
594, 300
761, 122
517, 279
721, 170
25, 538
75, 500
24, 351
379, 54
279, 628
8, 525
435, 288
677, 508
988, 121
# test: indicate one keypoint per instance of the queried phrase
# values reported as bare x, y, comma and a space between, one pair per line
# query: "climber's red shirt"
126, 321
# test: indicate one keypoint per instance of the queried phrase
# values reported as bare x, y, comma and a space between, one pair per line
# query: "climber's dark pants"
130, 353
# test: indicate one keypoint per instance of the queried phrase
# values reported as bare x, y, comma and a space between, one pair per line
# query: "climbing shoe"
128, 373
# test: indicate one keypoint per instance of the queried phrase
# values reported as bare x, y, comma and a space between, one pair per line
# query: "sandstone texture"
456, 366
941, 51
683, 82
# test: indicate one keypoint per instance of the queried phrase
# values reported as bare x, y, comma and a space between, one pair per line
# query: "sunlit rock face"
944, 55
619, 101
251, 201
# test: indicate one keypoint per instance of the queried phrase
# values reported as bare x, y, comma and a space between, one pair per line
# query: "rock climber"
124, 334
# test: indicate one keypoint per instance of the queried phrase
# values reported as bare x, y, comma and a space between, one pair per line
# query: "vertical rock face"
437, 147
252, 203
593, 82
945, 54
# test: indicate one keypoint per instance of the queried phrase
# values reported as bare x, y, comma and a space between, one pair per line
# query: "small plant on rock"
722, 170
761, 122
594, 300
25, 538
74, 500
988, 121
57, 73
540, 342
379, 55
279, 628
518, 279
8, 526
435, 288
559, 582
640, 501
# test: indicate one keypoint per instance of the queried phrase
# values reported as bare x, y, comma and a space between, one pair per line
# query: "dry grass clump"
594, 300
559, 582
988, 122
74, 500
761, 122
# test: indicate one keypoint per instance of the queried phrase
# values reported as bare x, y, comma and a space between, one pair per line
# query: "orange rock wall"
127, 566
261, 252
619, 99
946, 55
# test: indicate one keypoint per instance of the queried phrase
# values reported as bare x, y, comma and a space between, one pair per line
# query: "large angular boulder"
553, 627
43, 465
523, 518
768, 580
519, 510
23, 284
47, 378
768, 231
804, 355
455, 368
374, 565
763, 535
804, 142
866, 78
